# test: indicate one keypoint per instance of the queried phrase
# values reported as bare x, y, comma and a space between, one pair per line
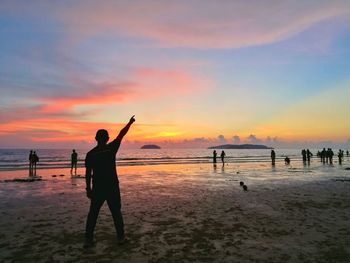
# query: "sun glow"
164, 134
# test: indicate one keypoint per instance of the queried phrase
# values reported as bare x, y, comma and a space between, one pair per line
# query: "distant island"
150, 146
240, 146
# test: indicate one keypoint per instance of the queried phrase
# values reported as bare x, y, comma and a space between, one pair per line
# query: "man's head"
102, 136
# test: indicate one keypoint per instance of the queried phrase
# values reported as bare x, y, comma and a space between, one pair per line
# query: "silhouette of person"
340, 156
347, 153
273, 157
214, 156
222, 155
73, 162
327, 155
100, 165
330, 155
35, 159
308, 155
287, 160
30, 159
303, 153
323, 155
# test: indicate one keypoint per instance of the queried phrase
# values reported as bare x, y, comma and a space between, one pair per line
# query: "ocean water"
251, 166
17, 159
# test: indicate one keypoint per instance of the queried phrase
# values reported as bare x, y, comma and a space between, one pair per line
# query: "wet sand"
184, 213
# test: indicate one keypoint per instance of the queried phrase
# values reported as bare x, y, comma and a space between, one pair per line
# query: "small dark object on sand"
61, 174
237, 172
78, 176
341, 180
347, 168
241, 183
245, 188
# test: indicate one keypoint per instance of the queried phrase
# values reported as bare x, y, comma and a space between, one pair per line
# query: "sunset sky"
194, 72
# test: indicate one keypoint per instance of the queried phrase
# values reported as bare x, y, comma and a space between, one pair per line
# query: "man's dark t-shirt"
74, 157
101, 160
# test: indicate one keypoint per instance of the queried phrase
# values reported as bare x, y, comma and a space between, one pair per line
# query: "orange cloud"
57, 130
102, 94
65, 131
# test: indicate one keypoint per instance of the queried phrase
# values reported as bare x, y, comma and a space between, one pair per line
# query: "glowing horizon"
195, 73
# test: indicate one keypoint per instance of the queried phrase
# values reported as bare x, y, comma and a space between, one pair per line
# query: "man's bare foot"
122, 241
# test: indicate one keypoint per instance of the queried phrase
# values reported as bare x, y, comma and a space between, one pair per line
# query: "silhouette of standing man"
340, 156
223, 154
73, 162
273, 157
35, 159
100, 165
214, 156
303, 153
308, 155
30, 158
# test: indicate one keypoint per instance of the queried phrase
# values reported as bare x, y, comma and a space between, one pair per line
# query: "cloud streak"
215, 24
141, 84
188, 23
145, 83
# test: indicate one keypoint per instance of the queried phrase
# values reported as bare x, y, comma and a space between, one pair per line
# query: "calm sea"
17, 159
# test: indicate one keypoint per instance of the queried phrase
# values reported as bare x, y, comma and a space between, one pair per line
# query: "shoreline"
59, 159
127, 162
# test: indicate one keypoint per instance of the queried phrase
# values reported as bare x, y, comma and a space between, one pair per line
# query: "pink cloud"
186, 23
201, 24
56, 118
144, 83
163, 82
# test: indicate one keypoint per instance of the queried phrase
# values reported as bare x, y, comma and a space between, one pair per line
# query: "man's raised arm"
125, 129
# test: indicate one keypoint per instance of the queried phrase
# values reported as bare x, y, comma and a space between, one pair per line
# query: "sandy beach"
184, 213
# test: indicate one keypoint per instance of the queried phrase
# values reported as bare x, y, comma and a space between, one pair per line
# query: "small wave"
137, 161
